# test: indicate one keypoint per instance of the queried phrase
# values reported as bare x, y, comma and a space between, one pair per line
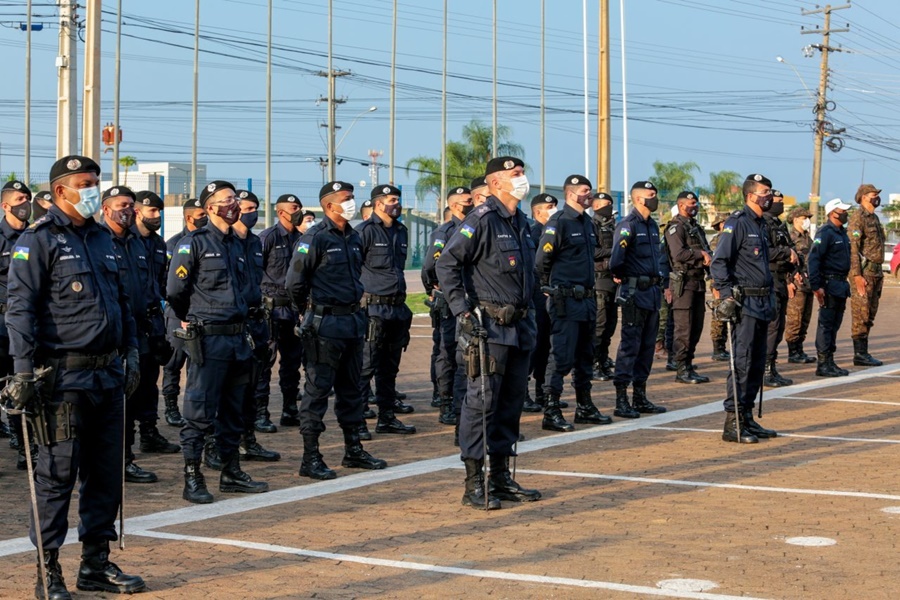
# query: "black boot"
447, 416
530, 406
841, 372
56, 584
772, 377
290, 415
585, 412
153, 442
263, 423
355, 457
402, 409
234, 480
435, 395
364, 433
312, 465
807, 359
474, 494
796, 356
824, 366
695, 375
670, 362
719, 352
135, 474
250, 449
730, 433
211, 457
603, 367
684, 374
755, 428
503, 487
553, 418
861, 356
195, 484
98, 574
641, 403
389, 423
623, 408
173, 416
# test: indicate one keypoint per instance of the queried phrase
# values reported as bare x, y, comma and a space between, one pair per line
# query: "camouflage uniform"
799, 308
717, 327
866, 256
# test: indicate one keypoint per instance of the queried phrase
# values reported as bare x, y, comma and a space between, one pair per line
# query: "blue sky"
703, 85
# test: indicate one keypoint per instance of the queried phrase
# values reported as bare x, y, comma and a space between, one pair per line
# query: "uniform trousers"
571, 350
634, 358
340, 371
688, 312
748, 349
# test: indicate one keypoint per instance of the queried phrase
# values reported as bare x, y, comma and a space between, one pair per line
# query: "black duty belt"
834, 277
756, 291
278, 302
395, 300
257, 313
222, 328
73, 360
578, 292
337, 311
504, 314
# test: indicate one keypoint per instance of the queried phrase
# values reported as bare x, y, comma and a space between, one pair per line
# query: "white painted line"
891, 510
416, 566
848, 400
810, 541
790, 435
710, 484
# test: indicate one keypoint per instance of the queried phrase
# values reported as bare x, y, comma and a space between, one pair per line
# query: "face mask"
842, 218
604, 212
776, 209
651, 204
308, 224
393, 211
589, 212
250, 219
692, 211
201, 222
584, 201
38, 210
465, 209
296, 218
552, 211
520, 187
90, 201
153, 224
805, 224
764, 202
229, 213
876, 201
22, 211
348, 209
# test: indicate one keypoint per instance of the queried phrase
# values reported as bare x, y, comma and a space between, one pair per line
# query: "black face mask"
296, 218
605, 212
693, 211
393, 210
776, 209
843, 217
38, 210
201, 222
22, 211
152, 224
651, 203
465, 209
876, 201
250, 219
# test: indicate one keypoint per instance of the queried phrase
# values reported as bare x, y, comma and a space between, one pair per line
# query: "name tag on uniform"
333, 250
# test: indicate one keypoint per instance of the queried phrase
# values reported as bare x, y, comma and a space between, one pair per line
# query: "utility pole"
194, 110
332, 126
494, 88
90, 122
374, 155
543, 106
393, 95
443, 195
27, 156
821, 100
115, 160
603, 133
268, 194
67, 85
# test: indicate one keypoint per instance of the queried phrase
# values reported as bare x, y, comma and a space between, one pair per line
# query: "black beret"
212, 187
458, 190
503, 163
578, 180
335, 186
289, 199
477, 183
777, 194
72, 165
309, 213
759, 179
151, 199
384, 190
191, 203
45, 196
543, 199
119, 190
602, 196
644, 185
367, 203
246, 195
16, 186
687, 195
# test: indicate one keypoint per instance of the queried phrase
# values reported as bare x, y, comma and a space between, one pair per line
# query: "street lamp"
793, 68
365, 112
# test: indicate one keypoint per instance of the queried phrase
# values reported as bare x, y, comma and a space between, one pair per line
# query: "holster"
625, 299
193, 342
375, 331
473, 360
559, 300
676, 283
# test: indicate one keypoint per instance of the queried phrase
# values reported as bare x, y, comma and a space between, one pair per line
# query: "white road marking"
810, 541
416, 566
687, 585
848, 400
791, 435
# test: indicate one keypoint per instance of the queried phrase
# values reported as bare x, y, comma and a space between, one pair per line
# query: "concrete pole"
118, 88
194, 113
331, 115
494, 88
603, 108
543, 107
443, 195
27, 157
90, 131
393, 96
268, 194
67, 83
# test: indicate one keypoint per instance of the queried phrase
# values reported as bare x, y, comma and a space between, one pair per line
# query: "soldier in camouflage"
799, 307
717, 327
866, 255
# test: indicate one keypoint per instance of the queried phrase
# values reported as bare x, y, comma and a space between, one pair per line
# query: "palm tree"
127, 162
725, 189
671, 178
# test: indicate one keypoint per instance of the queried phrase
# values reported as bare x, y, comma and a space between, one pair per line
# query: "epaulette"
736, 213
481, 211
43, 220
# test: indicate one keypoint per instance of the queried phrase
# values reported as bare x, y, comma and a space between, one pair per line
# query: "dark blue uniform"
445, 366
171, 380
8, 238
829, 265
740, 269
635, 260
497, 245
541, 354
324, 281
278, 245
207, 283
605, 288
565, 262
257, 324
68, 308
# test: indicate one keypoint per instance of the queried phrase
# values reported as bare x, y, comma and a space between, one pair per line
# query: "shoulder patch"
467, 230
184, 249
672, 230
439, 243
728, 230
817, 241
20, 253
856, 233
303, 248
550, 230
181, 272
624, 232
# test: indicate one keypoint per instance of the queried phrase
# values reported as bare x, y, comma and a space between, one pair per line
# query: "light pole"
352, 123
797, 73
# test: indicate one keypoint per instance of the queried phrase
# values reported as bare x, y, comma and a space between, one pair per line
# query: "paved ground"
658, 506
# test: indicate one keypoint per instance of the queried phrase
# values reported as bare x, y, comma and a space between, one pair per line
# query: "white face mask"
520, 187
805, 224
348, 209
552, 211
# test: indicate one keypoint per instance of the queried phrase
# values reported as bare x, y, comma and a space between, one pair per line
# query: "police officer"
68, 309
206, 289
494, 242
278, 244
14, 200
605, 288
565, 264
689, 256
740, 272
309, 219
829, 264
635, 264
783, 261
543, 206
799, 307
194, 218
365, 212
459, 201
385, 241
866, 256
41, 204
717, 332
324, 282
135, 274
665, 334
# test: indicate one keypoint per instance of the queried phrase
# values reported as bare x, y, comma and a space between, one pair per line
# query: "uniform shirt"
325, 271
135, 273
384, 252
278, 246
685, 244
436, 246
157, 253
829, 261
802, 244
65, 296
866, 240
604, 230
170, 250
259, 328
538, 298
8, 237
780, 246
635, 253
565, 258
497, 245
742, 259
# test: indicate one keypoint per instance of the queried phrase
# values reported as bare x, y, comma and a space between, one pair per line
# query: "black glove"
132, 371
20, 392
727, 310
160, 349
471, 326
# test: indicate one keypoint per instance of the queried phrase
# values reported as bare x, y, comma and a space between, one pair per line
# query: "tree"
127, 162
725, 190
466, 159
32, 185
672, 178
